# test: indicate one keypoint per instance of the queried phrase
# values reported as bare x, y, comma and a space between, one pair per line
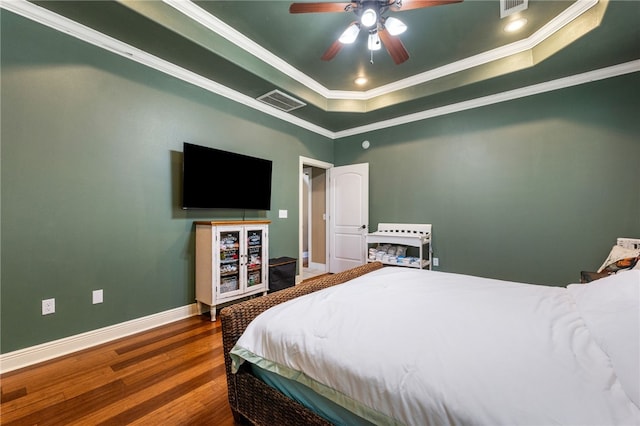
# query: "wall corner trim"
49, 350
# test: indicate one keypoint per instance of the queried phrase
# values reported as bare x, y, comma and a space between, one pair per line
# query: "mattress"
406, 346
306, 396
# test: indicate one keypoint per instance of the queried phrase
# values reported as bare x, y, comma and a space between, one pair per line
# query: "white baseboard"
46, 351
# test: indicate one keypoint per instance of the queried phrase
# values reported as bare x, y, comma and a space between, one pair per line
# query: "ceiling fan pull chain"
371, 51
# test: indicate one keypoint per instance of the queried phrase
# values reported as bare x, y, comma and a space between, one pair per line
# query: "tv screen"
214, 179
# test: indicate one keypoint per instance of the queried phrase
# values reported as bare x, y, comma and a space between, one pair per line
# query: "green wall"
91, 169
531, 190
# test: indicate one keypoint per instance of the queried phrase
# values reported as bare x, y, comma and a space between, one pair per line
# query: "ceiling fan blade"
394, 46
418, 4
319, 7
332, 51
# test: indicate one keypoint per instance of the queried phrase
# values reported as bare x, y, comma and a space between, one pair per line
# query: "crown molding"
74, 29
548, 86
214, 24
103, 41
224, 30
548, 30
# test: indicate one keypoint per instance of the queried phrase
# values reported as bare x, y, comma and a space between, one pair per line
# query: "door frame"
306, 173
310, 162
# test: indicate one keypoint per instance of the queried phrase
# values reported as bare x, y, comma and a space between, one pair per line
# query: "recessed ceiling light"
360, 81
515, 25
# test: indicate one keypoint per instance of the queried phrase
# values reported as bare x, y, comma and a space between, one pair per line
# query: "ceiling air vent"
509, 7
282, 101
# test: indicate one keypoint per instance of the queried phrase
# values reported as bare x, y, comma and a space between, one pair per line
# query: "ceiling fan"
370, 13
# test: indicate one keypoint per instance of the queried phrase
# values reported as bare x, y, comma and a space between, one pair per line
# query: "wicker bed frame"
251, 400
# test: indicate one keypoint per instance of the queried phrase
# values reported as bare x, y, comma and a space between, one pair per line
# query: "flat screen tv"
217, 179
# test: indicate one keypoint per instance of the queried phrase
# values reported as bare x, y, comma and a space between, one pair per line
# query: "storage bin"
282, 273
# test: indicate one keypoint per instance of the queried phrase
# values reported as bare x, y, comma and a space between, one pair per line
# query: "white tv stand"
413, 235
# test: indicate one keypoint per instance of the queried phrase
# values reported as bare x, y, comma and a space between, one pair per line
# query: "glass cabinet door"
255, 240
229, 261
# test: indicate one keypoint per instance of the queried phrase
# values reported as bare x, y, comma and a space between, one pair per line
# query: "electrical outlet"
48, 306
436, 261
96, 296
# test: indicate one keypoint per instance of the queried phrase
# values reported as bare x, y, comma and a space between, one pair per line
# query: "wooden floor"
172, 375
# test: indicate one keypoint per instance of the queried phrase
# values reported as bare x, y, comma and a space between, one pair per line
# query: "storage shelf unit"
412, 235
231, 261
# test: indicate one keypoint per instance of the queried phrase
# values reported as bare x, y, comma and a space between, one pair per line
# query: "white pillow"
619, 253
610, 308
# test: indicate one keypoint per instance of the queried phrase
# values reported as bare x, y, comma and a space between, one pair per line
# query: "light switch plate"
282, 214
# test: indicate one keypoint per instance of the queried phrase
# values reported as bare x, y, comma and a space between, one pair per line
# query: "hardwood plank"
171, 375
177, 412
160, 400
69, 410
29, 403
164, 337
10, 396
161, 350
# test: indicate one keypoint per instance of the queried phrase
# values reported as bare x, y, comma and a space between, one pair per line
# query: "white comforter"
416, 347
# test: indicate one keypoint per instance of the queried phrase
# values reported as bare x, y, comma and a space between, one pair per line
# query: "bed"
404, 346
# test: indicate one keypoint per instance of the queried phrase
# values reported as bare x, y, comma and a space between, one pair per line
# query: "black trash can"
282, 273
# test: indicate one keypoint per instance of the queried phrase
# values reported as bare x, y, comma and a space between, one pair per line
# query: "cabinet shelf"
230, 261
423, 265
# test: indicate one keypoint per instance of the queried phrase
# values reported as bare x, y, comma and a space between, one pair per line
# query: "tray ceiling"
460, 55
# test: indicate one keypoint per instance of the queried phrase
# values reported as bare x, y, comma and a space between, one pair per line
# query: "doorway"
313, 218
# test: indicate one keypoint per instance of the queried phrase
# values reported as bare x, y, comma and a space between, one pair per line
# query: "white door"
348, 216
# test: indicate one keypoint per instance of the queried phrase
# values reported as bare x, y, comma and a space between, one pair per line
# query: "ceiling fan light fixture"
350, 34
369, 18
374, 41
394, 26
